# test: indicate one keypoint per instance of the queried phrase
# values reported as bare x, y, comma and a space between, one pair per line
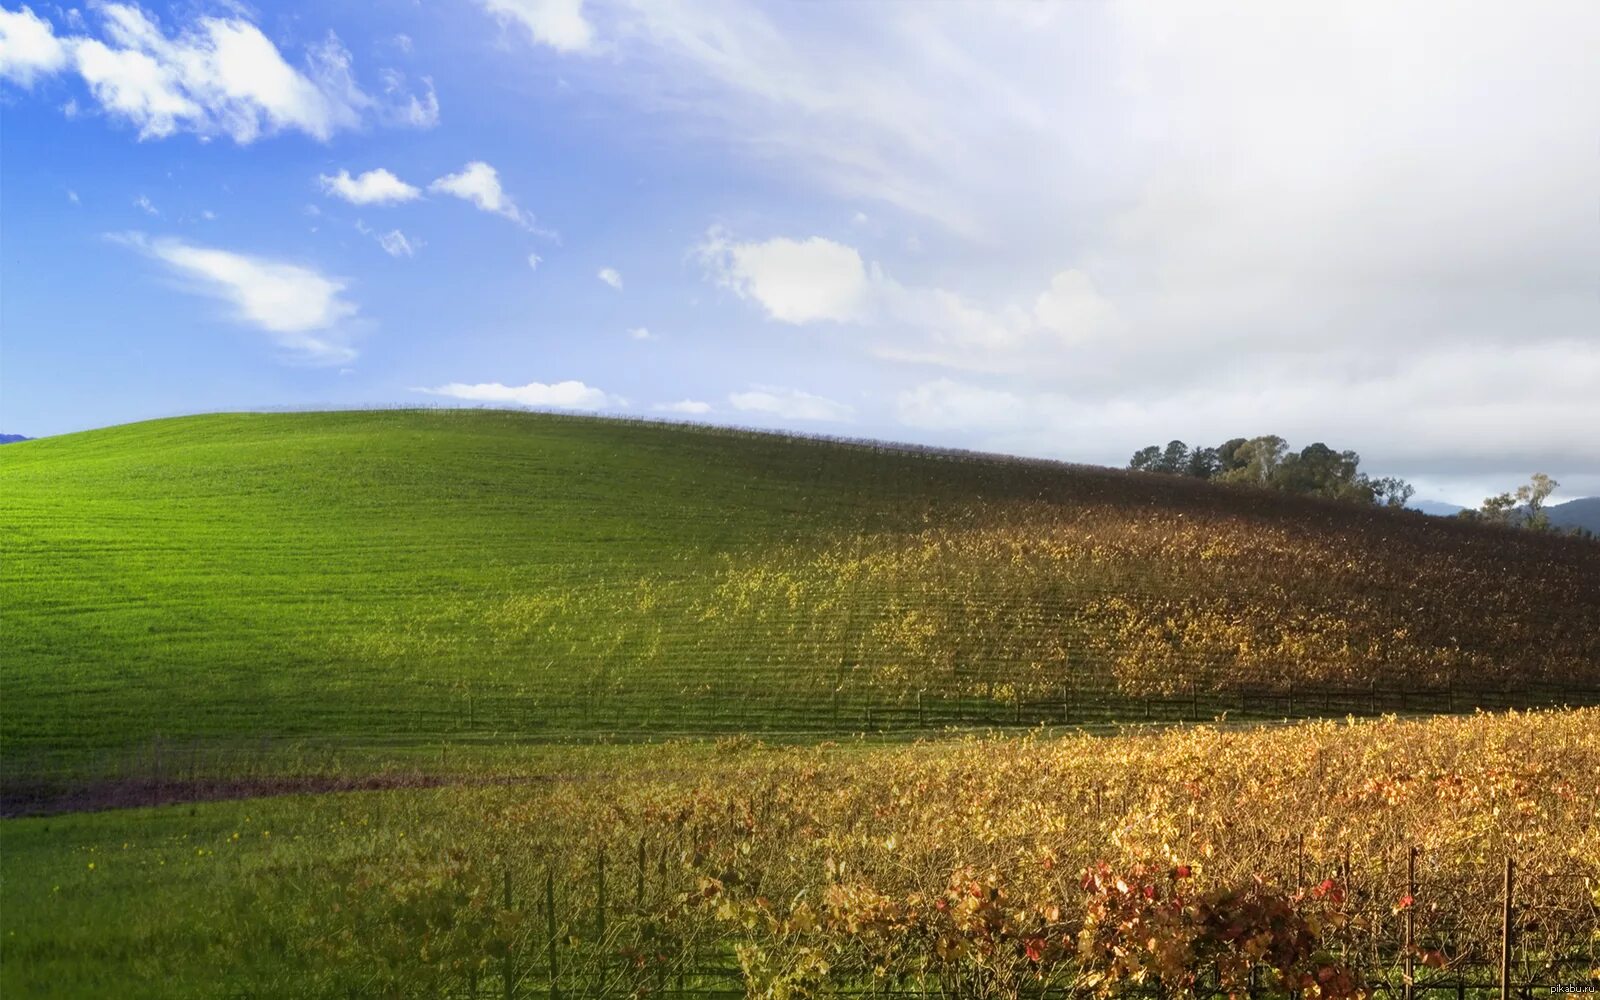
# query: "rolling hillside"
392, 575
1582, 513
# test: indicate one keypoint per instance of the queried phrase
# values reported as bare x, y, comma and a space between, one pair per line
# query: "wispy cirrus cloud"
302, 310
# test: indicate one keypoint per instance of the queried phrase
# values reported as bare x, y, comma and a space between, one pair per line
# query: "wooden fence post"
1411, 921
550, 926
639, 890
1299, 862
1350, 896
1505, 932
600, 919
507, 964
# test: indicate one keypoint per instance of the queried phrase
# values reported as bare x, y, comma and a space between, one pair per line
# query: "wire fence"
617, 927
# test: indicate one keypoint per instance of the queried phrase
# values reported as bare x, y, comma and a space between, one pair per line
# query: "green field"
235, 605
406, 576
661, 871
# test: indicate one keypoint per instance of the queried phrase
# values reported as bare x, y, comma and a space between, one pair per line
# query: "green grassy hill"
395, 575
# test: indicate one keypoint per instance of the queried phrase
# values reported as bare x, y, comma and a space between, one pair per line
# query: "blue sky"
1053, 229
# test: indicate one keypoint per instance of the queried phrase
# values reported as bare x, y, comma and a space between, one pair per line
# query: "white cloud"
534, 261
406, 108
221, 76
795, 281
610, 276
816, 280
395, 244
420, 112
1073, 307
375, 187
641, 333
302, 310
790, 404
689, 407
144, 204
217, 76
134, 86
1450, 415
72, 196
559, 24
922, 112
944, 404
29, 47
479, 184
569, 395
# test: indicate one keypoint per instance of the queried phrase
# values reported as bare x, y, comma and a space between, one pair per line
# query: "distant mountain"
13, 438
1438, 508
1584, 513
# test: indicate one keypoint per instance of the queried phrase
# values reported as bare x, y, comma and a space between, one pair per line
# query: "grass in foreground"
397, 576
953, 865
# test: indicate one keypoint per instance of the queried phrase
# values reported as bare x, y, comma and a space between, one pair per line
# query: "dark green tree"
1175, 459
1391, 491
1204, 463
1228, 457
1146, 459
1256, 461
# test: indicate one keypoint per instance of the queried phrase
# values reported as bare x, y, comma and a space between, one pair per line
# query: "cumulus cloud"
790, 404
1144, 193
216, 76
28, 47
1073, 307
559, 24
569, 395
375, 187
533, 261
302, 310
795, 281
479, 184
802, 281
688, 407
610, 276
